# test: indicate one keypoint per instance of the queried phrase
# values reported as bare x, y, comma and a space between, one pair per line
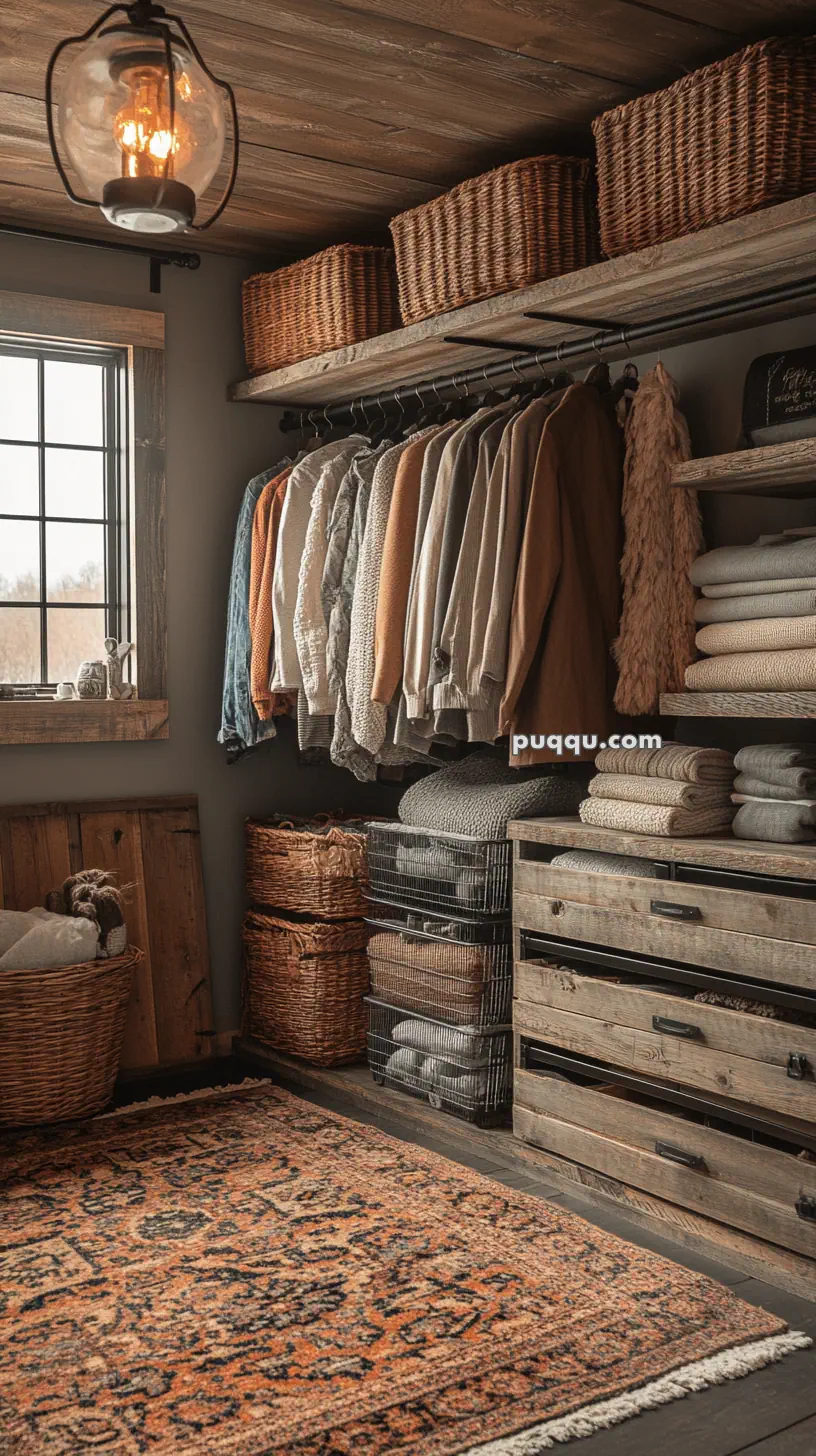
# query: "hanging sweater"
310, 627
265, 525
338, 586
396, 569
560, 676
289, 551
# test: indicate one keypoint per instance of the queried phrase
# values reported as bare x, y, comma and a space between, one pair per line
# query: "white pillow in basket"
37, 940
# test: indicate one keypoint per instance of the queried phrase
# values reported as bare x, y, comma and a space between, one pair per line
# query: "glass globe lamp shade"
144, 160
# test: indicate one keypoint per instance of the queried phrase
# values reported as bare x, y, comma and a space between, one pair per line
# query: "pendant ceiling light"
141, 119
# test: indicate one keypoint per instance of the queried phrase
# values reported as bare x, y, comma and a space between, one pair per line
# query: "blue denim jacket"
241, 727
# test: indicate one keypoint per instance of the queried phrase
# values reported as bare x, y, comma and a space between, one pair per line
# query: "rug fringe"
730, 1364
200, 1094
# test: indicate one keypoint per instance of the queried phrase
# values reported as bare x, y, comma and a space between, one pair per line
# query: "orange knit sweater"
265, 523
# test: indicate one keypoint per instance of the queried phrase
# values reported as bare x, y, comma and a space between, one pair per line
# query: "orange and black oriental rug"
248, 1275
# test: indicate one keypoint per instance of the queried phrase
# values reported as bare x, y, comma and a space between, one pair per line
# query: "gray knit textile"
480, 794
775, 822
605, 864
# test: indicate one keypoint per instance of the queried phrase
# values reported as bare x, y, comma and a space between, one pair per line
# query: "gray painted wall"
213, 448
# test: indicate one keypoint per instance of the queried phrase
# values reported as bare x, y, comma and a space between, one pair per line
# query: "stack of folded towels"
776, 792
674, 790
757, 617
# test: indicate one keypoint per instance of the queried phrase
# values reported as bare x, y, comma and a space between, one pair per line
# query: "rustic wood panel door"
153, 846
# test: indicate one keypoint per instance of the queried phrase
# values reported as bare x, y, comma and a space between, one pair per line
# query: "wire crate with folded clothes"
465, 1071
454, 970
436, 871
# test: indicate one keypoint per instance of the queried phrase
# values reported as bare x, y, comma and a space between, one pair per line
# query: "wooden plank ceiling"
351, 112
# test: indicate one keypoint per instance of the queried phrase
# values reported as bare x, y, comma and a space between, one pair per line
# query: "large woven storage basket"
61, 1037
514, 226
308, 866
303, 987
729, 139
338, 297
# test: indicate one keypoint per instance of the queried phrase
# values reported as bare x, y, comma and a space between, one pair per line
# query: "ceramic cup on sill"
65, 691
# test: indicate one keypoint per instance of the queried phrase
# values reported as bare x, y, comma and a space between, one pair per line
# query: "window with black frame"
64, 510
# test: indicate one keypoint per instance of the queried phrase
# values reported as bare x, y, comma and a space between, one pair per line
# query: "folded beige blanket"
655, 818
670, 793
748, 609
774, 584
758, 672
766, 799
673, 761
792, 560
768, 634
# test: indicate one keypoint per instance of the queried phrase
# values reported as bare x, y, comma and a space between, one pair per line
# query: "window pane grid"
91, 405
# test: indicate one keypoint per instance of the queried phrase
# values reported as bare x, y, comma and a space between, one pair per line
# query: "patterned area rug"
248, 1275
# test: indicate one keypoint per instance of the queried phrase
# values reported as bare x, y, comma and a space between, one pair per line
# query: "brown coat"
566, 605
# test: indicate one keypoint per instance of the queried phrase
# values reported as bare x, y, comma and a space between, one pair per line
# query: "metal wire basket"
450, 969
464, 1072
439, 871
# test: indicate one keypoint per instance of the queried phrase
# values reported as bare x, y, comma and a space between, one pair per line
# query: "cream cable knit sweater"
310, 625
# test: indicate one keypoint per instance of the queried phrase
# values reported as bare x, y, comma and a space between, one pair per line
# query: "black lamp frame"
150, 18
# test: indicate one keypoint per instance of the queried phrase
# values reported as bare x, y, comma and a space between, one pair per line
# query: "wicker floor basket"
338, 297
61, 1038
303, 987
729, 139
308, 867
511, 227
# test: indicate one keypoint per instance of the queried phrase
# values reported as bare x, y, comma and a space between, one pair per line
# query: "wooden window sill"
88, 721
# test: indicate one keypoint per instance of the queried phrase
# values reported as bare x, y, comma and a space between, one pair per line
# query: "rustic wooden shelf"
788, 470
760, 251
738, 705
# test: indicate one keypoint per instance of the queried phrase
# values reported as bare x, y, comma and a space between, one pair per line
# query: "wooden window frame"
141, 334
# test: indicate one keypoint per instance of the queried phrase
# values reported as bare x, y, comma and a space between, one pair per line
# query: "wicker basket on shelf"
729, 139
509, 228
61, 1037
340, 296
312, 867
303, 987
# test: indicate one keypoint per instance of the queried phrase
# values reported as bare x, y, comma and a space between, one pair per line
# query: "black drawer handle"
683, 1029
806, 1207
670, 910
677, 1155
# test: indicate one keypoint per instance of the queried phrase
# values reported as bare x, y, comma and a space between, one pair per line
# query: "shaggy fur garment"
93, 895
663, 536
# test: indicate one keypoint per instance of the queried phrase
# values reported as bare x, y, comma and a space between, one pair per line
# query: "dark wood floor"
771, 1413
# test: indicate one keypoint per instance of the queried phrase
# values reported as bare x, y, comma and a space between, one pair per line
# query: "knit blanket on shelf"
801, 785
655, 818
767, 634
671, 793
672, 761
745, 672
791, 765
480, 794
787, 560
773, 586
779, 823
596, 862
750, 608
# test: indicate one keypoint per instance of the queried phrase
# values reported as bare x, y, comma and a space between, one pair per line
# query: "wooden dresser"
693, 1113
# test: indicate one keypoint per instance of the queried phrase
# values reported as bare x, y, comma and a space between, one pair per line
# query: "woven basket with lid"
729, 139
517, 225
311, 866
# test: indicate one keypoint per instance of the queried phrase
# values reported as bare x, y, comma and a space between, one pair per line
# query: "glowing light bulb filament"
142, 127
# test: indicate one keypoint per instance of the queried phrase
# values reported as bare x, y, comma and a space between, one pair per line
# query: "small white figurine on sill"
116, 654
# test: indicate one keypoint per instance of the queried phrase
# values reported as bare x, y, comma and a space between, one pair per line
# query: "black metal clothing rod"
622, 336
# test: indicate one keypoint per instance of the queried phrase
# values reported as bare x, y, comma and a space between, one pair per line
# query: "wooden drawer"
729, 1053
716, 1171
769, 937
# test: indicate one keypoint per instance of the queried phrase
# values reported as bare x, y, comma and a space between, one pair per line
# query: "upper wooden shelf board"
788, 470
717, 851
738, 705
763, 250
